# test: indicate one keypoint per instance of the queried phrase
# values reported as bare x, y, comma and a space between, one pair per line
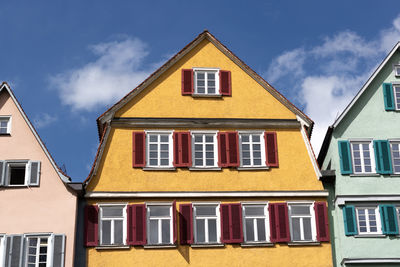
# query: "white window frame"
262, 144
396, 101
3, 238
311, 216
159, 218
377, 216
391, 142
266, 221
124, 223
9, 123
218, 217
50, 247
396, 69
170, 149
16, 163
371, 154
206, 70
215, 143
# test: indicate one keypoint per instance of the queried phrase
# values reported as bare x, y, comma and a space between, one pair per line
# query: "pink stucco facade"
49, 208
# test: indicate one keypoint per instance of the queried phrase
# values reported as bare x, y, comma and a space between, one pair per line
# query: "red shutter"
138, 147
272, 222
226, 236
225, 87
174, 223
91, 225
187, 81
321, 219
222, 149
185, 224
282, 221
182, 149
136, 224
233, 149
236, 223
271, 149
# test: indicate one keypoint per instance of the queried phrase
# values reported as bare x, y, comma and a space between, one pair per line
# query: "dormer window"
205, 81
397, 70
5, 125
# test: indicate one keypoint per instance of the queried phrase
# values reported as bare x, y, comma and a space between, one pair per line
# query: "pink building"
38, 204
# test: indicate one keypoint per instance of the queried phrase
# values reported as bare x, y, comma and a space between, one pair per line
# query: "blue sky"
68, 61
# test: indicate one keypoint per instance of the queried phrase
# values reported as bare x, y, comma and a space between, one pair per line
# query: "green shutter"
349, 217
389, 219
388, 96
345, 157
383, 158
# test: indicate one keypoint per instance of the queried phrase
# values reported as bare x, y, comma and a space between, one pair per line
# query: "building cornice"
345, 199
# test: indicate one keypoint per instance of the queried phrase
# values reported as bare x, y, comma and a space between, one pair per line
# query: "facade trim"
200, 194
342, 200
369, 260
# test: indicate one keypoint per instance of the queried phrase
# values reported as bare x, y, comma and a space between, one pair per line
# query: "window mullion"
251, 149
204, 150
159, 231
206, 230
255, 229
37, 251
301, 228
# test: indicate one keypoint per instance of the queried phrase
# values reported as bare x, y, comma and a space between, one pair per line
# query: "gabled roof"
106, 116
61, 174
328, 135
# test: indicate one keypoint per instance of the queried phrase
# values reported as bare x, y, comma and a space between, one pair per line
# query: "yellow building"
205, 164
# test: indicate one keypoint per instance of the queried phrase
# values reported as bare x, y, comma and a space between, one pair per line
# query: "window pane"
249, 230
166, 233
106, 232
153, 231
200, 75
198, 138
112, 211
261, 230
153, 138
17, 175
204, 210
164, 138
200, 229
164, 162
296, 229
257, 162
160, 210
118, 232
209, 138
212, 230
307, 228
249, 211
300, 210
209, 162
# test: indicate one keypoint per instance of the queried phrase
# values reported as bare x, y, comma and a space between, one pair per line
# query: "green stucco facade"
366, 119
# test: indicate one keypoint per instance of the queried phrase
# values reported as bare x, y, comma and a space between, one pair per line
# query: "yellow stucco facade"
249, 100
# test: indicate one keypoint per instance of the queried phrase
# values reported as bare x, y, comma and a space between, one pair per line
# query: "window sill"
207, 245
204, 169
205, 95
304, 243
373, 236
159, 168
159, 246
365, 175
112, 247
268, 244
395, 175
5, 134
252, 168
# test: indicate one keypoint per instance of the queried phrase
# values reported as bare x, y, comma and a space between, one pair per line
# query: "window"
5, 125
396, 93
159, 152
2, 248
159, 224
252, 149
368, 220
205, 150
362, 155
206, 224
112, 224
395, 150
206, 81
256, 226
302, 222
19, 173
37, 251
397, 70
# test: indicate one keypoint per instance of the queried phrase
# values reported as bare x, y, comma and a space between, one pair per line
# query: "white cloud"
331, 73
116, 71
44, 119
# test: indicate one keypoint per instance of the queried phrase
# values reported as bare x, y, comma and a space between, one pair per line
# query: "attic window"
205, 81
397, 70
5, 125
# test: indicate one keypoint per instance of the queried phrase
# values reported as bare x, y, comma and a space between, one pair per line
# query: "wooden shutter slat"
225, 224
321, 219
388, 96
174, 223
2, 172
140, 224
222, 149
236, 223
345, 157
271, 149
91, 225
138, 149
272, 222
225, 85
185, 224
282, 218
58, 250
349, 217
187, 82
389, 219
182, 149
233, 149
383, 158
177, 148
